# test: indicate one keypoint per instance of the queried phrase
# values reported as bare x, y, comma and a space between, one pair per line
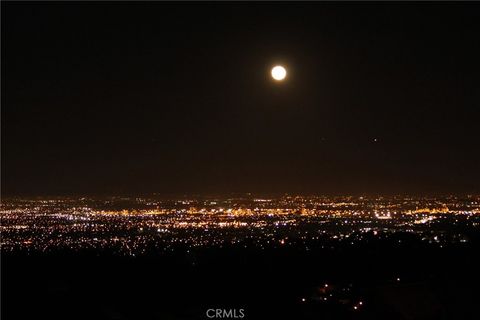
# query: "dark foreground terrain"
378, 280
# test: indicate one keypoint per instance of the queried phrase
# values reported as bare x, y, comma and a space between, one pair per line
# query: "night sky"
120, 98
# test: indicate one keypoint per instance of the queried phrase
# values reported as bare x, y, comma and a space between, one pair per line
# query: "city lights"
163, 225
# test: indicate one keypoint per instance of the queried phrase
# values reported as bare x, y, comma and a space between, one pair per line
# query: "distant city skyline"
135, 226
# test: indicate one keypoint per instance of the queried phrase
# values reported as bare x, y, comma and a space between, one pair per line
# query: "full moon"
279, 73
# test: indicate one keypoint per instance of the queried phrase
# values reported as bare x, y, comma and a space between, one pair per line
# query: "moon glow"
279, 73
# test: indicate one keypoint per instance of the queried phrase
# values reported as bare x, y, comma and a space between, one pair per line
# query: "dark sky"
177, 98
